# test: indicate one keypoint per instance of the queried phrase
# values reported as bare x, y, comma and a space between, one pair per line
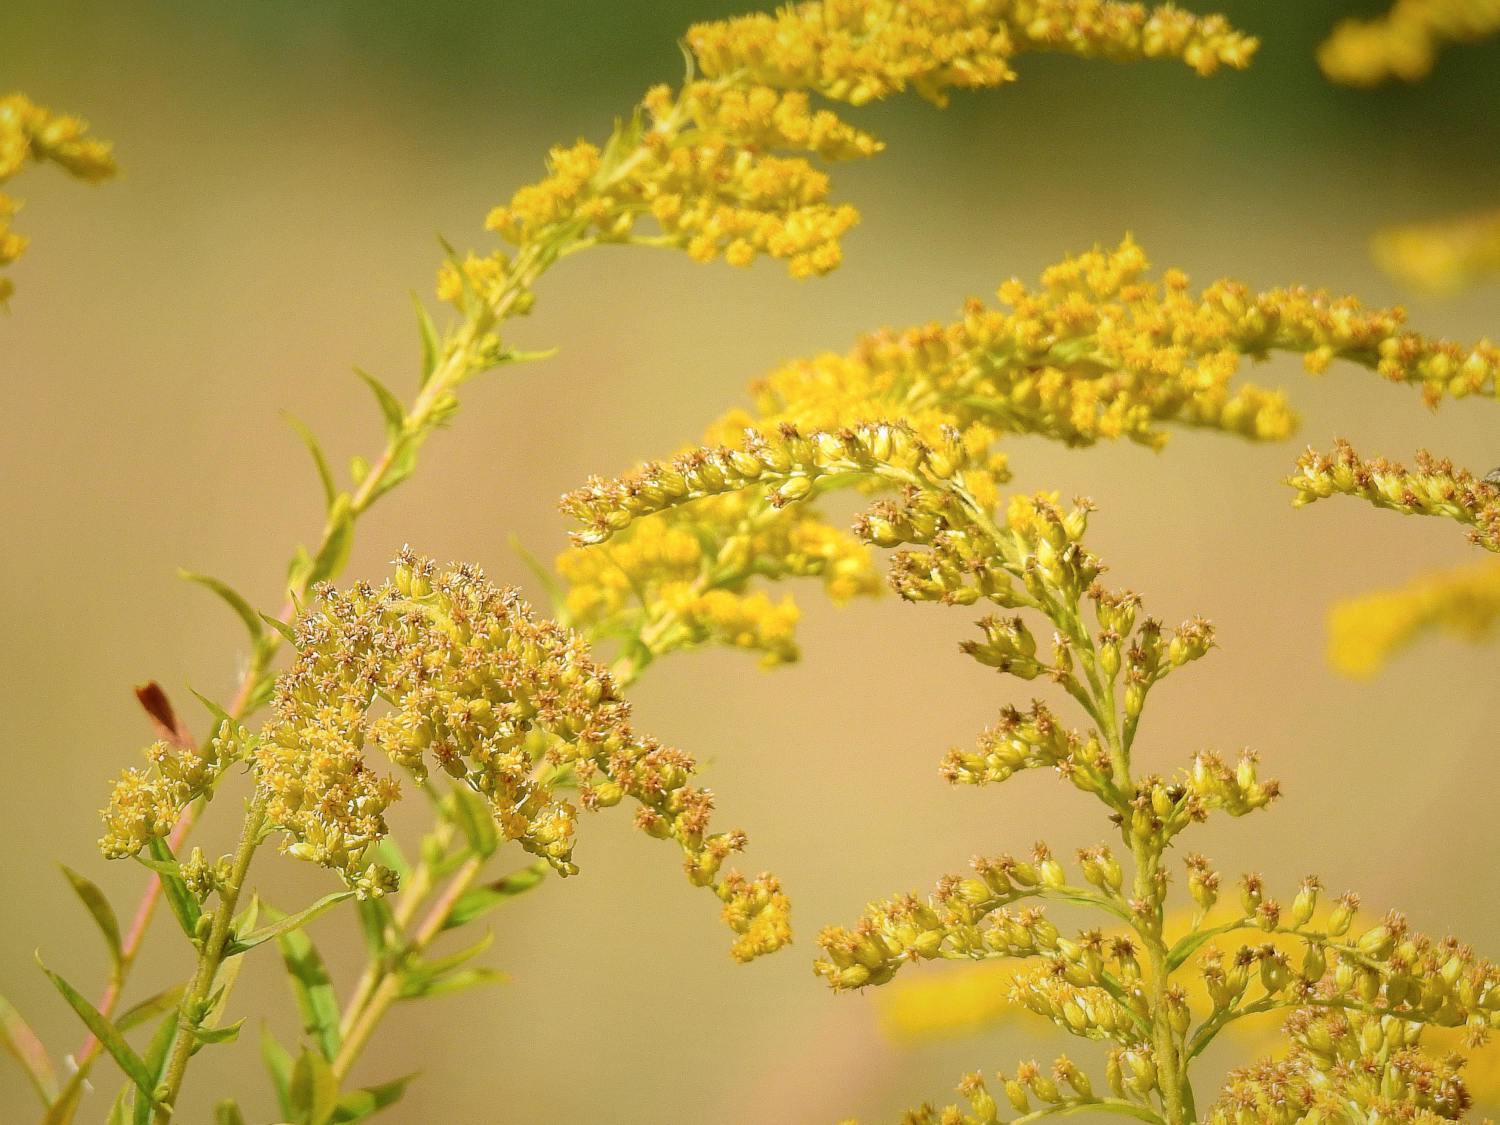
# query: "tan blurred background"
287, 167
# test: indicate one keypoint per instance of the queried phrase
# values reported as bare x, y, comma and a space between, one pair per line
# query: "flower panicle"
681, 578
146, 804
33, 133
1403, 42
1433, 487
857, 51
1367, 631
1441, 256
444, 672
1343, 1061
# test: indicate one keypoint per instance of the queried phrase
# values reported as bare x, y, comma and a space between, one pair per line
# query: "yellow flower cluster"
721, 164
1366, 631
681, 579
1346, 1066
470, 682
1434, 488
860, 50
1442, 256
713, 164
145, 804
1403, 42
31, 132
978, 995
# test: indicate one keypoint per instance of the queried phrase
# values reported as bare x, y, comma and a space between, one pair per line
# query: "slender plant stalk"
196, 1000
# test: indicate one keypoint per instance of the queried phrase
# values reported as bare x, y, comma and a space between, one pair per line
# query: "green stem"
386, 989
195, 1001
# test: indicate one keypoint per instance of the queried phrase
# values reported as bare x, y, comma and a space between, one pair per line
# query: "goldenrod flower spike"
1403, 43
1443, 255
478, 688
29, 132
860, 50
1367, 631
1433, 488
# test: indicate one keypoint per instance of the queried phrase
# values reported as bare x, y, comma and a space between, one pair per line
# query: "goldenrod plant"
1404, 41
1098, 351
30, 133
433, 679
1439, 255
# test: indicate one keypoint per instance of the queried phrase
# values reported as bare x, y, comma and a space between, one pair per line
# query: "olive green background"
288, 165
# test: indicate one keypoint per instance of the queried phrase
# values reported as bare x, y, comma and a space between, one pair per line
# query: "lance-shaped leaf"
235, 600
100, 910
377, 925
21, 1042
156, 1063
278, 1064
356, 1105
151, 1007
314, 1090
320, 462
471, 813
338, 541
286, 924
419, 987
288, 634
184, 905
481, 900
226, 1034
390, 406
108, 1035
432, 343
313, 988
228, 1113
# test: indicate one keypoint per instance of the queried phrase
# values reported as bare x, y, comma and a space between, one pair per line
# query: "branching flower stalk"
30, 133
1097, 352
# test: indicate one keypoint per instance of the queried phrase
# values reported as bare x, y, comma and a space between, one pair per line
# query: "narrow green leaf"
226, 1034
402, 464
288, 633
432, 344
337, 543
21, 1042
417, 989
556, 597
447, 963
390, 406
119, 1112
99, 907
228, 1113
156, 1062
313, 987
314, 1091
514, 355
104, 1031
278, 1064
356, 1105
481, 900
236, 601
471, 813
220, 715
287, 923
320, 462
376, 924
149, 1008
184, 906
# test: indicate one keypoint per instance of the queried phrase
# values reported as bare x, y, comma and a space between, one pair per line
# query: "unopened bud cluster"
1434, 487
